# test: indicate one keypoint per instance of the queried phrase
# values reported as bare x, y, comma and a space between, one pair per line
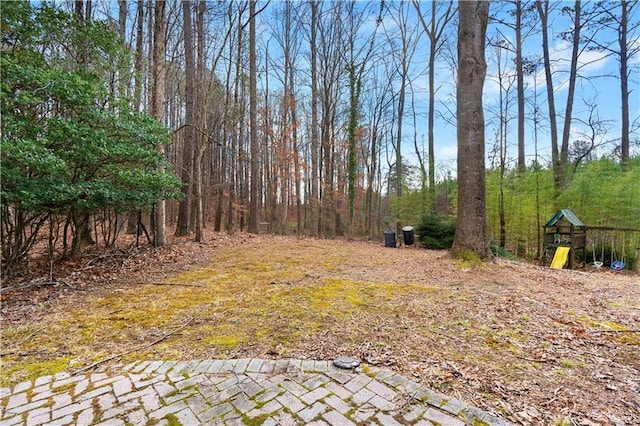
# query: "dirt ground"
533, 345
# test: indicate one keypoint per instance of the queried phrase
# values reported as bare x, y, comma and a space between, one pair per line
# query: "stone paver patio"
233, 392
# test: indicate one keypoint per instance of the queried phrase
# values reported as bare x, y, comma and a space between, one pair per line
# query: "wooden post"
572, 250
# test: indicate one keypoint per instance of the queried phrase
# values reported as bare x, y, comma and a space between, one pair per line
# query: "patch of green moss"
468, 259
629, 338
224, 341
367, 370
172, 420
334, 293
607, 325
12, 373
254, 421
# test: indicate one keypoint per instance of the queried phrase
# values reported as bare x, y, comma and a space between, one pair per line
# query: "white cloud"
447, 152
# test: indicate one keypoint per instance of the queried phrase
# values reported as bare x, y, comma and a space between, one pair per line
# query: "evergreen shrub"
436, 231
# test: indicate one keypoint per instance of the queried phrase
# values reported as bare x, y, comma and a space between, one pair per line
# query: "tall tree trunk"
314, 122
543, 11
294, 148
371, 178
201, 117
139, 76
283, 152
404, 71
236, 137
132, 222
573, 72
221, 181
122, 20
159, 72
520, 89
253, 123
432, 112
327, 197
184, 211
471, 230
81, 219
624, 83
398, 183
423, 171
352, 165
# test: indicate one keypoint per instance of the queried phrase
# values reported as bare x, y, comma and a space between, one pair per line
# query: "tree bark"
543, 11
566, 131
189, 130
471, 230
520, 89
253, 123
132, 223
624, 83
314, 123
201, 119
159, 72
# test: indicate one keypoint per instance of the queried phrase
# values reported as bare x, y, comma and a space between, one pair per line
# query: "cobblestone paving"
232, 392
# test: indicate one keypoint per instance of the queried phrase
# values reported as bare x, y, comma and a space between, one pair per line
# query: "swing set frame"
615, 264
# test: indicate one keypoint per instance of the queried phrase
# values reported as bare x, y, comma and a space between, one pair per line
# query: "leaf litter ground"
534, 345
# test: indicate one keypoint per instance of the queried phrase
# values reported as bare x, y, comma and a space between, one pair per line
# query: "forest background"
319, 118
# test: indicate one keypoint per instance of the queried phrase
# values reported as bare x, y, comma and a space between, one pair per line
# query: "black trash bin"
389, 239
407, 234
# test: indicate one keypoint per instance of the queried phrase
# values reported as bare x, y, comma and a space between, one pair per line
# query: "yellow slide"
560, 258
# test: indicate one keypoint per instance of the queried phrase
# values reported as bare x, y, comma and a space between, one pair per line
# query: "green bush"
435, 231
70, 148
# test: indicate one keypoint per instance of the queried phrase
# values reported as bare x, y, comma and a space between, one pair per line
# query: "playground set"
565, 243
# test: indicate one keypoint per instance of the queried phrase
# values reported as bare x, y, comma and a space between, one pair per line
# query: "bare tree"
253, 122
520, 77
202, 96
313, 4
376, 101
441, 14
543, 11
139, 74
284, 183
560, 156
409, 37
521, 12
223, 176
566, 130
357, 60
523, 26
505, 80
330, 51
190, 123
